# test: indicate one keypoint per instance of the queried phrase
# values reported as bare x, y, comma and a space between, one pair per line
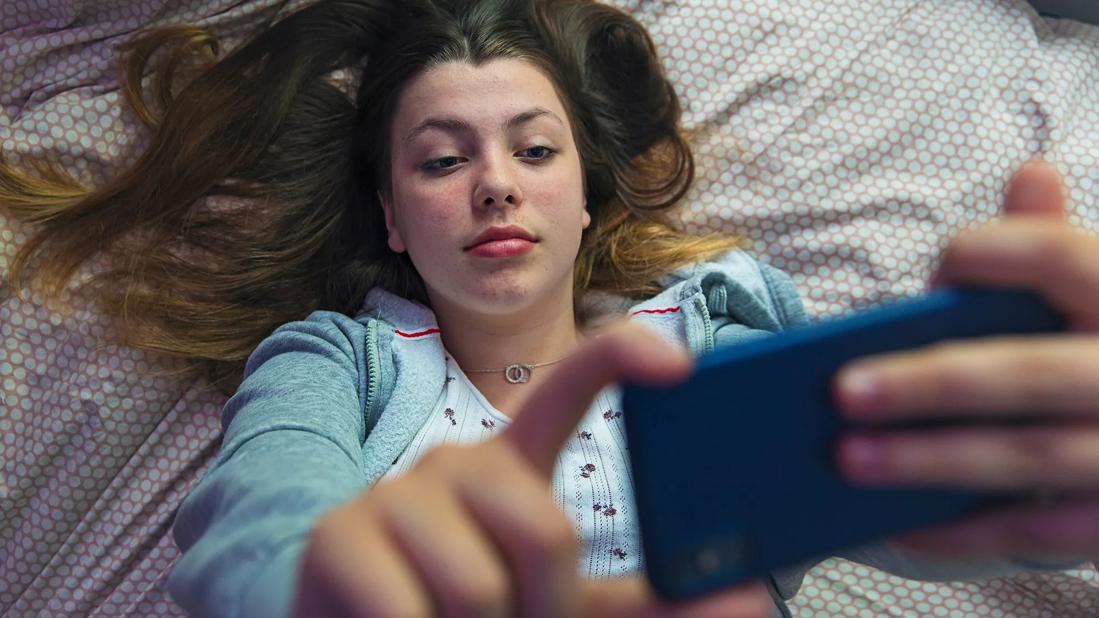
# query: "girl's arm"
474, 529
282, 525
292, 450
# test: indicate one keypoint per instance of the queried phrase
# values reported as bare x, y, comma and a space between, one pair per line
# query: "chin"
502, 294
511, 300
503, 301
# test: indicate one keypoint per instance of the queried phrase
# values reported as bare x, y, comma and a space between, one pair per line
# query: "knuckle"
550, 534
485, 593
445, 456
1066, 263
1060, 255
389, 501
406, 606
1033, 380
1036, 451
329, 529
935, 376
386, 492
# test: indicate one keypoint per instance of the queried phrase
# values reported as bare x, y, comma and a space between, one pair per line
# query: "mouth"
511, 235
502, 242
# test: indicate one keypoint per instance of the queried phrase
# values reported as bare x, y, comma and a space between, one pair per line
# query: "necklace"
516, 373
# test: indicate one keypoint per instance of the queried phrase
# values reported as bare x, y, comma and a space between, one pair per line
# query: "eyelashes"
548, 152
536, 153
441, 164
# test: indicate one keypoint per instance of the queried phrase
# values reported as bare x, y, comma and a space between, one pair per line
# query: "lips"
501, 233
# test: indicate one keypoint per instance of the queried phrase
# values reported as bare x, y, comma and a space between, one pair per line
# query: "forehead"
487, 93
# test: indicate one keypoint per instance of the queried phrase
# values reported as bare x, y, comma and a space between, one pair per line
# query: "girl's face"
487, 191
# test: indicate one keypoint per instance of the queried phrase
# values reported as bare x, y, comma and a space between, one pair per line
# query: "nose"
498, 185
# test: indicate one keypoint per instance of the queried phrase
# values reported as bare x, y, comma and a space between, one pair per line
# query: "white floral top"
592, 482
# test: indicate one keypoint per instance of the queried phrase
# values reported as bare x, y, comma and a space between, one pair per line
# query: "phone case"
734, 468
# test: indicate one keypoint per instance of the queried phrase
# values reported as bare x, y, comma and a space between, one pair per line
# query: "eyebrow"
454, 125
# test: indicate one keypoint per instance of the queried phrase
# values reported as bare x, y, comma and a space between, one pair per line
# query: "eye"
442, 163
537, 152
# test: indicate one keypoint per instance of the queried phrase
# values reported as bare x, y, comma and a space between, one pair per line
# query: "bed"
847, 140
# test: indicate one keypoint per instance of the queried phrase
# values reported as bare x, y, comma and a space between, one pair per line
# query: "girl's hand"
1056, 377
474, 531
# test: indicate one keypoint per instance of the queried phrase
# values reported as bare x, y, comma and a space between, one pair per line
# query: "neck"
541, 331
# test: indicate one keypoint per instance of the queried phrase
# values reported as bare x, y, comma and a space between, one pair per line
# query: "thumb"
1036, 188
627, 351
633, 597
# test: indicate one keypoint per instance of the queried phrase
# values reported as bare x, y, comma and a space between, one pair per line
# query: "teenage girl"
440, 433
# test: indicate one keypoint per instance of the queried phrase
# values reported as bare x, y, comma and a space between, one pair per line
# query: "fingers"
338, 580
1032, 247
1056, 375
633, 597
1036, 189
451, 554
1068, 530
537, 542
472, 530
468, 532
1062, 457
1060, 263
628, 351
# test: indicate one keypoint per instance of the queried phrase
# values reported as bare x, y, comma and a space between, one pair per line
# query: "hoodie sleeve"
746, 299
292, 450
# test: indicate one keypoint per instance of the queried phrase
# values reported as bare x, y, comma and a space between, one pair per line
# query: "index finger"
996, 377
628, 351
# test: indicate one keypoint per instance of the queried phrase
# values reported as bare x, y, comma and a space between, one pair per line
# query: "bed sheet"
847, 140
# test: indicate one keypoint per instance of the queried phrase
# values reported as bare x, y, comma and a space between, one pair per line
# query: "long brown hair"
255, 201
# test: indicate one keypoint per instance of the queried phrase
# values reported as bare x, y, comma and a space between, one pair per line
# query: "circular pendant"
517, 374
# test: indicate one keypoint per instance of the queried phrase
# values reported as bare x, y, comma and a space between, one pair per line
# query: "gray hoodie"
328, 403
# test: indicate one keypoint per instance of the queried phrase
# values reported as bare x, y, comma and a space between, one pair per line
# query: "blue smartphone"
734, 468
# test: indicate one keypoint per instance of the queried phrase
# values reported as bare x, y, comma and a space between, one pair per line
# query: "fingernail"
861, 391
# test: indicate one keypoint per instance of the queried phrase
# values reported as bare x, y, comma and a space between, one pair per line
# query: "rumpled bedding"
847, 140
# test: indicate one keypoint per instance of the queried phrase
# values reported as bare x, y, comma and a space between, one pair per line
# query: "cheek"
433, 209
565, 192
